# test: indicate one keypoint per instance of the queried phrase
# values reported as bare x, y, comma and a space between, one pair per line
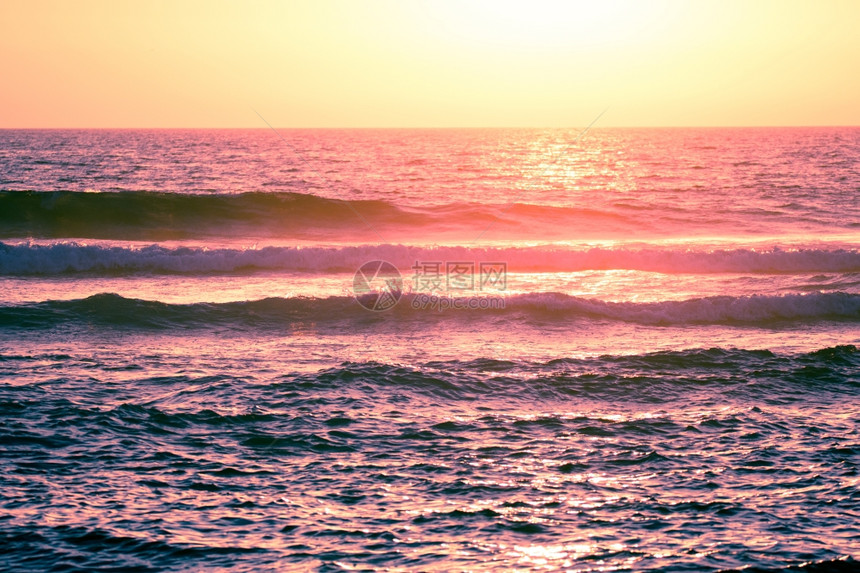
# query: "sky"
443, 63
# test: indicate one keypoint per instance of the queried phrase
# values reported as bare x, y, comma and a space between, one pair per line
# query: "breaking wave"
114, 310
70, 257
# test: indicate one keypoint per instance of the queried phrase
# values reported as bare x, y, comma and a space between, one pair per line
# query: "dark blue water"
688, 460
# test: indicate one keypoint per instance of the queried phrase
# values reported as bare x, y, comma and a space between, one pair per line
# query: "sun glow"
449, 63
544, 24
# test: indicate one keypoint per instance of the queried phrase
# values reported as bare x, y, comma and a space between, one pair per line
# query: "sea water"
430, 349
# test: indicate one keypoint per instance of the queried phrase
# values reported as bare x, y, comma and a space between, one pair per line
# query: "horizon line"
757, 126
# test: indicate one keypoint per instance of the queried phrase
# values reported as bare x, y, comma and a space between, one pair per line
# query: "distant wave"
146, 215
57, 258
158, 215
114, 310
653, 376
659, 376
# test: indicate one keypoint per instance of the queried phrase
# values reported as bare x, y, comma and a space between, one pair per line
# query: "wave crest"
70, 257
114, 310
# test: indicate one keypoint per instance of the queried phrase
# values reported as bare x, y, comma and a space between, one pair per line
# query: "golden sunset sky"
443, 63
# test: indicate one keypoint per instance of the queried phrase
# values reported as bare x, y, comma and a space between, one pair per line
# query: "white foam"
707, 310
69, 257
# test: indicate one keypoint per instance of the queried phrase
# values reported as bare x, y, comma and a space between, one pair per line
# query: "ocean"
430, 350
